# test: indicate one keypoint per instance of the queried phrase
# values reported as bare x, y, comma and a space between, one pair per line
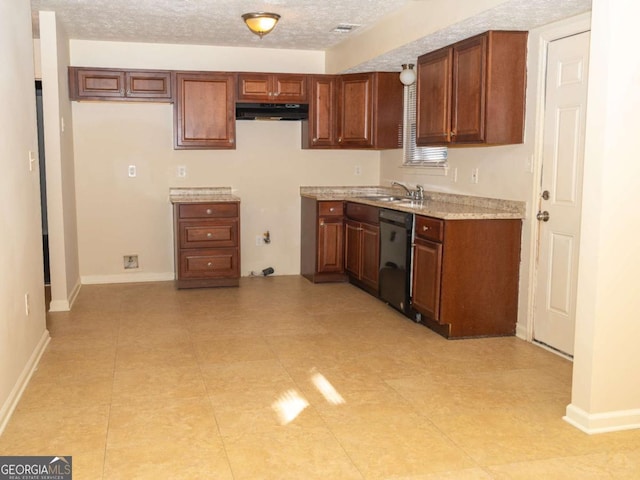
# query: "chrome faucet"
409, 192
417, 194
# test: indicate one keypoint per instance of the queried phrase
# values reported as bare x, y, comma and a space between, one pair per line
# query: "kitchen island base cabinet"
465, 276
207, 244
322, 240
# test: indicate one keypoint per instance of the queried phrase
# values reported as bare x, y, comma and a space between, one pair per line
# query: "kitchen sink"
385, 198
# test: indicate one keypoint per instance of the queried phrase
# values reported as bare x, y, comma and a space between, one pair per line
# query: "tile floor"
142, 381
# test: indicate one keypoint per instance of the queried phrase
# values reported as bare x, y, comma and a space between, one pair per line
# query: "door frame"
573, 26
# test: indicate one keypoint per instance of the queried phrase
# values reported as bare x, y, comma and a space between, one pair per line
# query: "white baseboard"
602, 422
65, 305
133, 277
521, 332
11, 403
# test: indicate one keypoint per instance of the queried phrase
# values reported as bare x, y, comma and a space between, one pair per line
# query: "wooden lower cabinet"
362, 246
465, 276
207, 244
322, 240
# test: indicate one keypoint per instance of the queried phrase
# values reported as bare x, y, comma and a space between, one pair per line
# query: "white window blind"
415, 156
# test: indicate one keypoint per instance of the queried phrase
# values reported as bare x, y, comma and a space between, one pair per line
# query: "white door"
561, 192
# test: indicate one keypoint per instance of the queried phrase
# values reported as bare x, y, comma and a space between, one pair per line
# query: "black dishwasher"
395, 259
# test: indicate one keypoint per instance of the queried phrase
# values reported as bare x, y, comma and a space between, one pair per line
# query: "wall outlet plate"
130, 261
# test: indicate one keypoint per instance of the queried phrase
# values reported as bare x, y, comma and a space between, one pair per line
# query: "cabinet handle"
209, 235
322, 223
209, 212
209, 264
314, 140
331, 209
424, 229
453, 133
339, 139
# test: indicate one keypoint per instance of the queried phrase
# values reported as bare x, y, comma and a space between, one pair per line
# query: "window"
414, 156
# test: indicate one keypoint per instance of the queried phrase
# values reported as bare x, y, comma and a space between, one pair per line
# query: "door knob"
543, 216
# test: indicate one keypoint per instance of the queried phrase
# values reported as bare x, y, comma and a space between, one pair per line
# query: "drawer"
208, 234
330, 209
363, 213
429, 228
208, 210
209, 263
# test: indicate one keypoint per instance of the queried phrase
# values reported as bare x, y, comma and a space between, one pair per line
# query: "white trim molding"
18, 389
592, 423
137, 277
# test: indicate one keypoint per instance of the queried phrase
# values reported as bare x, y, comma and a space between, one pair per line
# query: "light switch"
32, 160
132, 171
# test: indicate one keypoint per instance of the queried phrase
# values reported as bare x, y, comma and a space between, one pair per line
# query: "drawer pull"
209, 264
209, 211
209, 235
332, 209
425, 228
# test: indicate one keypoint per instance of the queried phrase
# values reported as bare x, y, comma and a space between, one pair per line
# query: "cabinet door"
149, 85
433, 104
330, 245
469, 90
352, 247
370, 255
321, 126
254, 87
289, 88
355, 122
98, 83
427, 271
204, 111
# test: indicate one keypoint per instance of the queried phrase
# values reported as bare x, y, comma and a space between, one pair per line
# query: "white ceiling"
305, 24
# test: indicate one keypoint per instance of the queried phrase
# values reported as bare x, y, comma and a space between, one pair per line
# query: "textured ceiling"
305, 24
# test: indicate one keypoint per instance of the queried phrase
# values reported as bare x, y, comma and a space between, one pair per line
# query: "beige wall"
22, 336
118, 215
58, 133
606, 390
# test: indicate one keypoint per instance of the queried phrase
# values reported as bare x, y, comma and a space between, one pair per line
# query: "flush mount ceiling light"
261, 23
408, 74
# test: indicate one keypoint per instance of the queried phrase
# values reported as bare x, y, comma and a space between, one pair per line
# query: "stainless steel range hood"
272, 111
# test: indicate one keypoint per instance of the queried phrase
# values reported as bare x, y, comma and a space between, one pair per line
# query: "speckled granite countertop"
446, 206
201, 195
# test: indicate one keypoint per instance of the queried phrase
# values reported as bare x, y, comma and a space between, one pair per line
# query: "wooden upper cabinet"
122, 85
434, 97
355, 125
204, 113
473, 92
370, 110
320, 130
272, 88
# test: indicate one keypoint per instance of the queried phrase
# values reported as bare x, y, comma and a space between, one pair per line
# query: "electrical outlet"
130, 261
182, 171
474, 175
357, 170
131, 170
